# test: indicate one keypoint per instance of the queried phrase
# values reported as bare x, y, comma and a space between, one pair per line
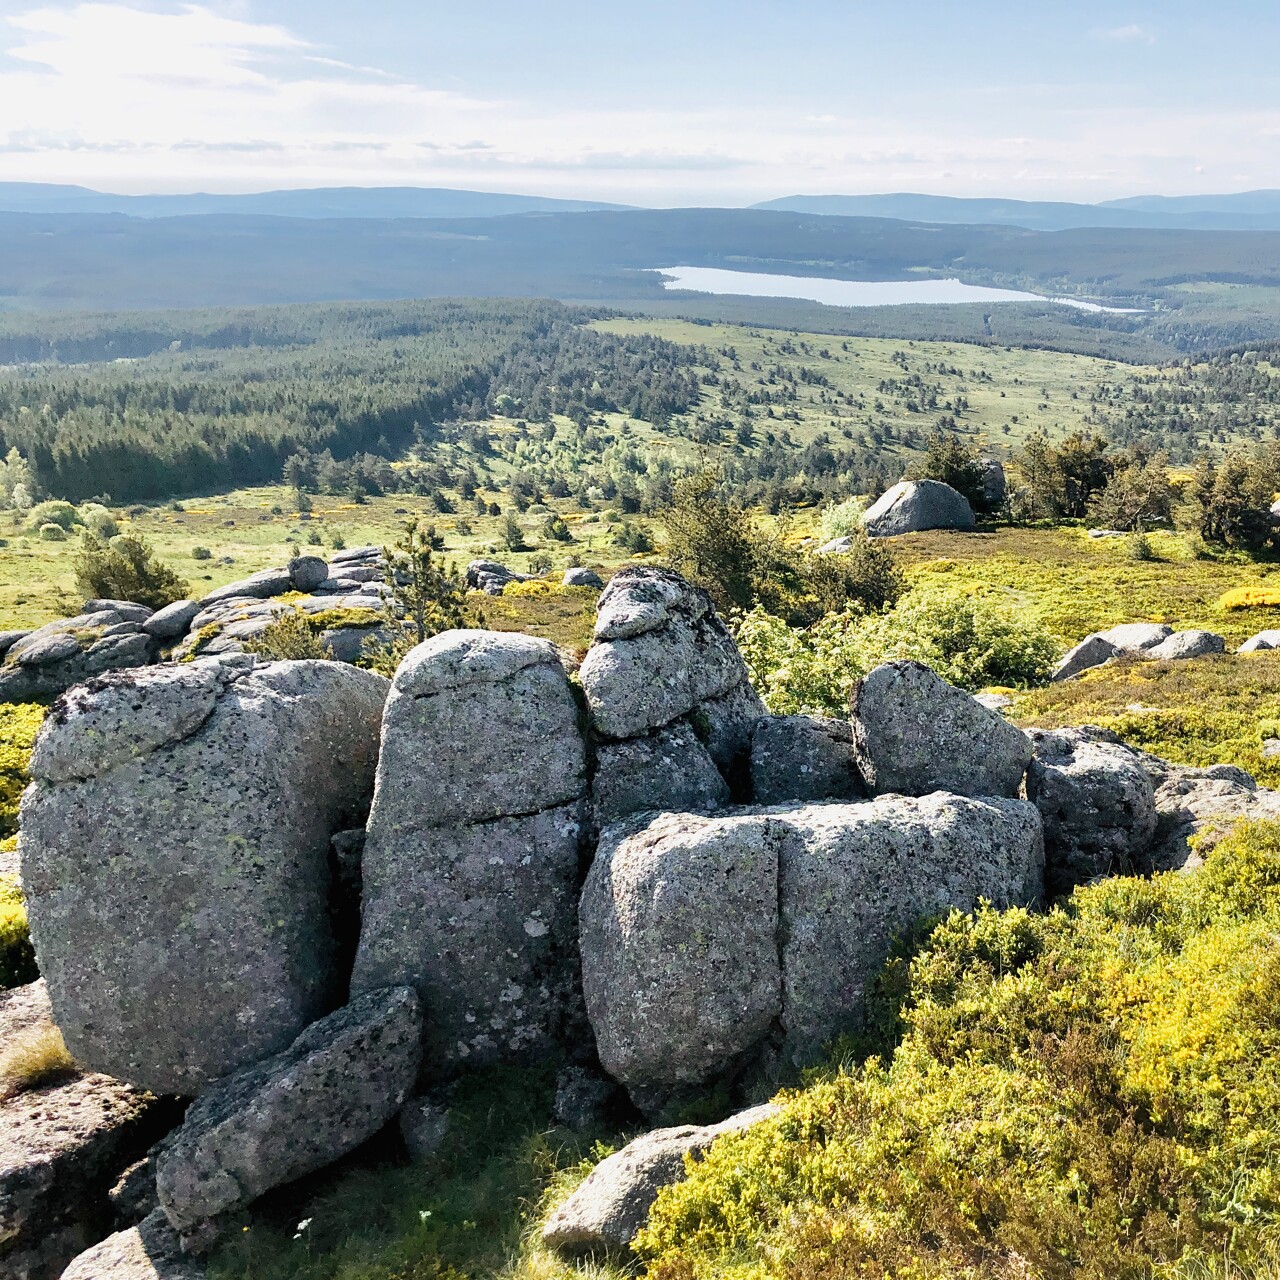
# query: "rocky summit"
310, 900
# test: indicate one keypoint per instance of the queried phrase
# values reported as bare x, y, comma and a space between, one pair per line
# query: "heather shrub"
19, 724
1091, 1093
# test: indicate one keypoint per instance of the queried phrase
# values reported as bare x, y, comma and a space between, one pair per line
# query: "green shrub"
289, 637
55, 511
201, 553
98, 520
841, 519
126, 568
965, 637
17, 956
19, 724
52, 533
1091, 1093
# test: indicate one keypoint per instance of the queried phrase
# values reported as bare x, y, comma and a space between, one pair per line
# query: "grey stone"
912, 506
323, 604
1098, 806
1195, 802
837, 546
347, 644
306, 573
335, 1086
993, 701
612, 1204
44, 650
126, 609
357, 574
914, 733
1261, 640
995, 486
62, 1146
725, 725
134, 1197
660, 651
490, 576
583, 1098
424, 1126
9, 638
471, 863
582, 577
349, 555
149, 1251
804, 758
680, 967
855, 876
51, 659
191, 807
260, 586
173, 620
479, 919
1186, 644
669, 769
1134, 637
1091, 652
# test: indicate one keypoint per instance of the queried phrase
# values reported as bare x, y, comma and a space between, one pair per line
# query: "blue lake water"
853, 293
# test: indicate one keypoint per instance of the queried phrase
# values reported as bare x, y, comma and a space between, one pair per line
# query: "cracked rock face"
1098, 806
175, 859
149, 1251
804, 758
914, 733
669, 769
335, 1086
472, 860
703, 937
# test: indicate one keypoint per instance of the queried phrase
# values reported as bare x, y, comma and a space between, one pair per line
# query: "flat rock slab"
149, 1251
175, 859
604, 1214
914, 734
292, 1113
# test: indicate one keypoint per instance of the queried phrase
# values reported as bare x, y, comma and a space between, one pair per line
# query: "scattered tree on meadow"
126, 568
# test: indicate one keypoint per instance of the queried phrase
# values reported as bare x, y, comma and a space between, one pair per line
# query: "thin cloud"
1131, 33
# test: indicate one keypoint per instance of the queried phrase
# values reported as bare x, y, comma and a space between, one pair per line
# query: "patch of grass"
34, 1057
1210, 710
473, 1212
1093, 1093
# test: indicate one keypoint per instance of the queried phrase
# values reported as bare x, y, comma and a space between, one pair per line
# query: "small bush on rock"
1092, 1093
290, 637
32, 1058
126, 568
19, 724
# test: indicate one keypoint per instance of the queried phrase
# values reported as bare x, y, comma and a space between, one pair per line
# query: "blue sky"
654, 103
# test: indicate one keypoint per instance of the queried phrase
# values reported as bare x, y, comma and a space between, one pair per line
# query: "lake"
854, 293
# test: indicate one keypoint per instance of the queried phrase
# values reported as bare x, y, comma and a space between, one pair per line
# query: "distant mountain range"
1243, 211
318, 202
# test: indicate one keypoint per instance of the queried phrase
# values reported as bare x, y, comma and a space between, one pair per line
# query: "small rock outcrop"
1261, 641
48, 661
471, 863
914, 733
804, 758
1187, 644
582, 577
913, 506
604, 1214
1204, 803
491, 576
149, 1251
1145, 641
339, 1082
1098, 806
191, 807
1092, 651
63, 1145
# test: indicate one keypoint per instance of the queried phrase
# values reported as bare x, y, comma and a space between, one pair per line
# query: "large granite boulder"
1187, 644
1204, 803
149, 1251
1092, 651
680, 966
612, 1204
306, 573
1098, 806
335, 1086
661, 656
260, 586
912, 506
701, 935
1260, 641
175, 848
49, 660
914, 734
668, 769
1136, 637
582, 577
173, 621
856, 876
471, 864
63, 1145
804, 758
491, 577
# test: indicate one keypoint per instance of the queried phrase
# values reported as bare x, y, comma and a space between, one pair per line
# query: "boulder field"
308, 898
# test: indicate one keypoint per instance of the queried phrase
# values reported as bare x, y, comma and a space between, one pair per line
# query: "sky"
658, 102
